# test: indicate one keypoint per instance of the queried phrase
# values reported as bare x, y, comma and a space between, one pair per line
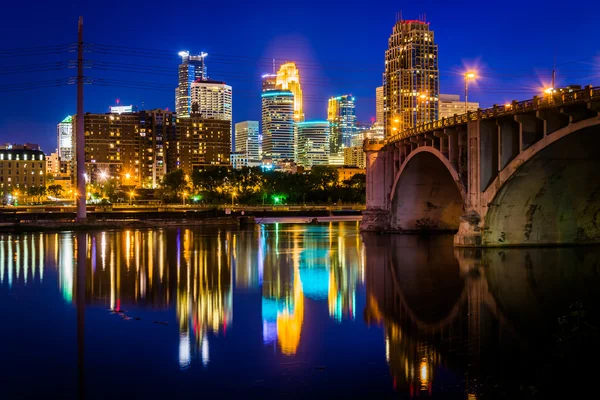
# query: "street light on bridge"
468, 75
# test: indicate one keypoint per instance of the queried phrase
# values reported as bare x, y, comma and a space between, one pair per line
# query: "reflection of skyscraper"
191, 69
278, 125
340, 113
288, 78
411, 78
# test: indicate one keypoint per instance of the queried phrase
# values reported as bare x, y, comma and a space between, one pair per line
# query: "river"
292, 311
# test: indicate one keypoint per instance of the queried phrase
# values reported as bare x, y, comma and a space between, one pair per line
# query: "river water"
293, 311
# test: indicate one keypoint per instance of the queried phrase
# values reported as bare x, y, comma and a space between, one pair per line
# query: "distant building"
347, 172
355, 157
450, 104
248, 141
313, 143
379, 105
199, 143
238, 160
288, 78
411, 77
192, 68
212, 100
122, 109
336, 159
278, 125
21, 167
53, 164
65, 139
341, 115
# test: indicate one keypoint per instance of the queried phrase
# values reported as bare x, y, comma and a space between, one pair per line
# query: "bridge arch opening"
553, 198
426, 196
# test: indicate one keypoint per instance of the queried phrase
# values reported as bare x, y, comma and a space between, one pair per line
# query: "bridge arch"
550, 192
427, 193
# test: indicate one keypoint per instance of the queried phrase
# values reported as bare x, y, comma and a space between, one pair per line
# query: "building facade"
192, 68
355, 157
21, 167
411, 77
248, 141
313, 143
450, 104
65, 139
288, 78
269, 82
212, 100
379, 105
198, 143
278, 125
341, 115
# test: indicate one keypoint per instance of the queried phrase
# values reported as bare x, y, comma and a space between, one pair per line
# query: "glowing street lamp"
103, 175
233, 194
549, 90
183, 196
468, 75
131, 196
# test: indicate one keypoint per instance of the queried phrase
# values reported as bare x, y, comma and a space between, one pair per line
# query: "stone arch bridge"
527, 173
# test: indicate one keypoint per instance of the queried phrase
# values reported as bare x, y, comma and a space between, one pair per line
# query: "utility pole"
554, 74
79, 128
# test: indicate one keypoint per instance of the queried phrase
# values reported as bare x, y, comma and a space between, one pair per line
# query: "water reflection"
448, 323
466, 322
194, 271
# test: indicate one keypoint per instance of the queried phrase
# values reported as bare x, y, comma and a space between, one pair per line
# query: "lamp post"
131, 195
468, 75
232, 196
183, 196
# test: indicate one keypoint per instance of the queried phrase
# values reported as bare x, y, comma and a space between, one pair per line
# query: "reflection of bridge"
524, 173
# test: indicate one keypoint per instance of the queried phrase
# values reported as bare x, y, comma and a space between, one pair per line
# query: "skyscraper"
313, 143
278, 125
411, 78
269, 82
212, 100
288, 78
65, 140
341, 116
192, 68
248, 142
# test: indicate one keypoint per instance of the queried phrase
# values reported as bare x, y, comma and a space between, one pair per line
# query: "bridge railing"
516, 107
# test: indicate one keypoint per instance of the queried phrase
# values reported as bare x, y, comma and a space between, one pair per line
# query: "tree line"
253, 186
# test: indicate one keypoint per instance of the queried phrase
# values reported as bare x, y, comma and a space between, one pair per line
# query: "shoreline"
221, 221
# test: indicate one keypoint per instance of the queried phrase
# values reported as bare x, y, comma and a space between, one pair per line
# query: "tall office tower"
411, 78
192, 68
379, 105
248, 142
212, 100
313, 143
156, 126
198, 143
269, 82
288, 78
341, 116
66, 149
278, 125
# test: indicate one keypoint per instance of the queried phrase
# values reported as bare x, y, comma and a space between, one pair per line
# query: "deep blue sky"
338, 45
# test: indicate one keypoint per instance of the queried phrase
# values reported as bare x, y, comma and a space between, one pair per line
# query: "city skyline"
326, 70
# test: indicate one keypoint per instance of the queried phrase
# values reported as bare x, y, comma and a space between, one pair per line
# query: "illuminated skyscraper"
269, 82
65, 139
278, 124
288, 78
192, 68
248, 142
411, 78
313, 143
212, 100
341, 116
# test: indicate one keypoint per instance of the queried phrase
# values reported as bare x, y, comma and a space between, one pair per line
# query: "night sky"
338, 45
